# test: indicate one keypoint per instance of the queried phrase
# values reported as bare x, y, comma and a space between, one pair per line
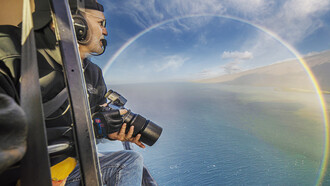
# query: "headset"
81, 29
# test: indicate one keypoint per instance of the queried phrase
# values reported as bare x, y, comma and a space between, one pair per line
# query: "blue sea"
216, 134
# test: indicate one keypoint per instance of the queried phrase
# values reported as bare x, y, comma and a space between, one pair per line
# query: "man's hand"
121, 136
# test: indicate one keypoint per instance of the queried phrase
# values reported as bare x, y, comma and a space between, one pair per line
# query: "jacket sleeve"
13, 122
13, 126
8, 85
10, 49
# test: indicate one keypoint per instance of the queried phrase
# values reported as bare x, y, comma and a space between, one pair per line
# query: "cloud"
202, 39
149, 12
141, 67
251, 8
297, 19
237, 55
293, 20
305, 8
228, 68
232, 67
170, 63
188, 7
143, 12
208, 73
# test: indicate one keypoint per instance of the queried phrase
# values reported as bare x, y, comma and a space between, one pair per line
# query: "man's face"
96, 30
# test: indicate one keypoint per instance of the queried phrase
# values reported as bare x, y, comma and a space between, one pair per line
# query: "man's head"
88, 18
95, 30
89, 23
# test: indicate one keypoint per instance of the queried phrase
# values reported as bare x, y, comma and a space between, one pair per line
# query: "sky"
184, 40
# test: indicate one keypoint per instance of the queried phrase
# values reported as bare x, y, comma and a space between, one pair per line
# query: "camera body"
150, 132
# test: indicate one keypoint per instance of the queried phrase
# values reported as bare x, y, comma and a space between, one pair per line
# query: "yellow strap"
62, 170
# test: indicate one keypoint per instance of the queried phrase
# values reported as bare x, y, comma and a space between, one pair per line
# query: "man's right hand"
121, 136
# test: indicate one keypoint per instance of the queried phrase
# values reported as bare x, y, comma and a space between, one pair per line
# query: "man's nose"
104, 31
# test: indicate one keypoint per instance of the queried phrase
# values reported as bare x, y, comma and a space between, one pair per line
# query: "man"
118, 168
95, 20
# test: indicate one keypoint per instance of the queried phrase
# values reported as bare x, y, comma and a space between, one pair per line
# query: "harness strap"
52, 105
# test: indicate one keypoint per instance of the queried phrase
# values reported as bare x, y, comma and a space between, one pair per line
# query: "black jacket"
50, 69
50, 72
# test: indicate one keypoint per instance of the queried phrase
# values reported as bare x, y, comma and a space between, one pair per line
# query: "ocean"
216, 134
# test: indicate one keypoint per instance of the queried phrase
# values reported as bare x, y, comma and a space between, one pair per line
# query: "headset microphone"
104, 43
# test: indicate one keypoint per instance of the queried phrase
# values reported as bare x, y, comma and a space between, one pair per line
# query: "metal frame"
32, 173
80, 109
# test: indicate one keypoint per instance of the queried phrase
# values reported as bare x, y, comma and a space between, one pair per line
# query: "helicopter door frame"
33, 173
83, 129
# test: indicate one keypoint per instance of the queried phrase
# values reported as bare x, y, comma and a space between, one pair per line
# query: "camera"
150, 132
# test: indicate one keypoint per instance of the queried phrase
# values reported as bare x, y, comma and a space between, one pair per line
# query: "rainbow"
325, 156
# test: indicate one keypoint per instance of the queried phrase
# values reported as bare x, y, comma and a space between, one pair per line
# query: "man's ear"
81, 28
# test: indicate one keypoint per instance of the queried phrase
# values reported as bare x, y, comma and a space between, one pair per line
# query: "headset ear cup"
81, 28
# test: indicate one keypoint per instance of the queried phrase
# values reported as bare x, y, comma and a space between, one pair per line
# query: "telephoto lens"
150, 131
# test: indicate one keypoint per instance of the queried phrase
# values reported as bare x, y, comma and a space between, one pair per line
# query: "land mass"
288, 75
